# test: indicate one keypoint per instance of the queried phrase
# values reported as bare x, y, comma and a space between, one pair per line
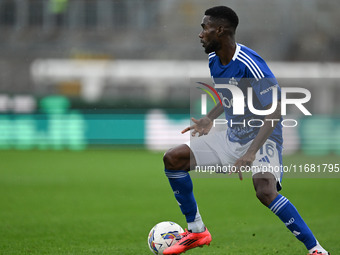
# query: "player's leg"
266, 186
179, 157
177, 162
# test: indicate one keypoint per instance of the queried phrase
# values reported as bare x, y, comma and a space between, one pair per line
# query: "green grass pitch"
106, 201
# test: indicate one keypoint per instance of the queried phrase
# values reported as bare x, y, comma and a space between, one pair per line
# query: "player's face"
208, 35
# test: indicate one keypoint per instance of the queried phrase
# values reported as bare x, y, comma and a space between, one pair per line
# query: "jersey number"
269, 150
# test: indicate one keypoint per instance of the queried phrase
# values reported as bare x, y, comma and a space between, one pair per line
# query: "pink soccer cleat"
189, 241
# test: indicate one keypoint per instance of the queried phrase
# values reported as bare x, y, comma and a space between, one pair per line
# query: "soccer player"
244, 145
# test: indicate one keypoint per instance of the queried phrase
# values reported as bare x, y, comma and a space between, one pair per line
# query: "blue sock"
286, 211
181, 184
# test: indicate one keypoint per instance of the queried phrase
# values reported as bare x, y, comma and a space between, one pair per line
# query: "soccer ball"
164, 235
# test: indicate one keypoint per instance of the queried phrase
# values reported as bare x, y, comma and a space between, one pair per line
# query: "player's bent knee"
172, 159
265, 190
169, 160
266, 195
265, 187
177, 159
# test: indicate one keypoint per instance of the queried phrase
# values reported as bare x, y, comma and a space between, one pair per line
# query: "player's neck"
227, 52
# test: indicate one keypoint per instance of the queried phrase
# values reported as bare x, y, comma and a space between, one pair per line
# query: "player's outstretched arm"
203, 125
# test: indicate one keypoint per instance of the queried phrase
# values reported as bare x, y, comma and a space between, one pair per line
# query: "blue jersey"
246, 69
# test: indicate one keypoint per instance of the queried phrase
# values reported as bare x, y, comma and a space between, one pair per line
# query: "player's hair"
223, 13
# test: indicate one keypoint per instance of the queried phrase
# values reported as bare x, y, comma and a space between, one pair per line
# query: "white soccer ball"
164, 235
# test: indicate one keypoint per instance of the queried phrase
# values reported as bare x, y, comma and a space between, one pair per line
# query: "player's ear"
220, 31
223, 30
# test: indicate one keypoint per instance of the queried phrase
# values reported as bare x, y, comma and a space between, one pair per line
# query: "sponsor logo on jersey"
269, 89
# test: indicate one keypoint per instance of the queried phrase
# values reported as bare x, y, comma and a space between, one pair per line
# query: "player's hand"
245, 161
201, 126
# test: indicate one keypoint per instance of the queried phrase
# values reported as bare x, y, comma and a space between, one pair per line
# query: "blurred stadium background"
92, 92
82, 73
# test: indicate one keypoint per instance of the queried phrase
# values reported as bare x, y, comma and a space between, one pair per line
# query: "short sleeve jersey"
246, 69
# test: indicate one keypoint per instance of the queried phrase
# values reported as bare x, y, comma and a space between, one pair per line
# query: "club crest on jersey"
233, 81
